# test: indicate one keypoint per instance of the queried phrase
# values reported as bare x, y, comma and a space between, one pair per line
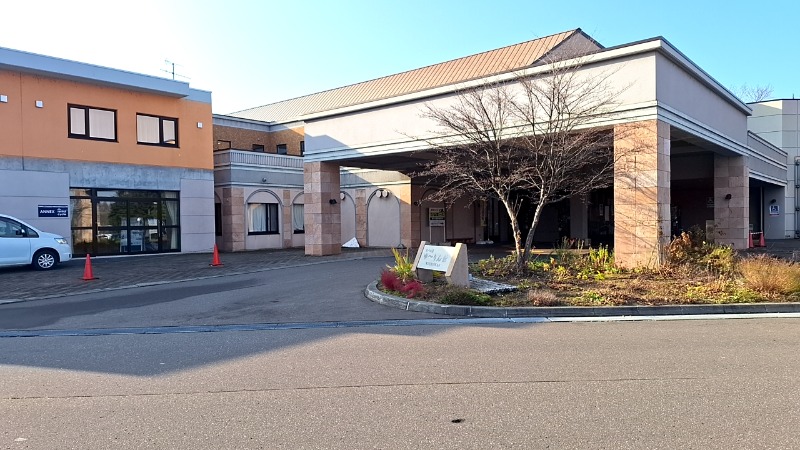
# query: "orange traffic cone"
749, 240
761, 242
215, 262
87, 269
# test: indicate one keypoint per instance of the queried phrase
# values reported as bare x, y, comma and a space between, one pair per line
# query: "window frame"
87, 123
281, 149
268, 222
161, 120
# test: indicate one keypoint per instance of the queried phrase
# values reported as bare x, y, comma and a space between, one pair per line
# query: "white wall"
21, 193
383, 221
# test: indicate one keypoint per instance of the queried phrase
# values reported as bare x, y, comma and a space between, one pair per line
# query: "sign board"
53, 211
436, 217
774, 210
434, 257
710, 202
450, 260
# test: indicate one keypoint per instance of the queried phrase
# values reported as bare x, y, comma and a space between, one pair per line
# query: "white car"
21, 244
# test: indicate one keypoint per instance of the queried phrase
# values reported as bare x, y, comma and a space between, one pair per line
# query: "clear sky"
250, 53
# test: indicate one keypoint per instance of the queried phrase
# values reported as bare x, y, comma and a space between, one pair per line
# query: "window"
302, 148
223, 145
258, 148
298, 219
281, 149
154, 130
92, 123
12, 229
262, 218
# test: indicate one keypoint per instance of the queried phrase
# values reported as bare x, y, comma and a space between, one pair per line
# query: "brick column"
361, 217
323, 234
416, 215
403, 194
641, 193
233, 220
731, 214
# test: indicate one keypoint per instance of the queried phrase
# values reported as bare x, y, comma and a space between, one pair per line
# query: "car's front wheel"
45, 260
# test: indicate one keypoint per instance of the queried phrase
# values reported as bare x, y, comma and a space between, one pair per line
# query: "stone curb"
377, 296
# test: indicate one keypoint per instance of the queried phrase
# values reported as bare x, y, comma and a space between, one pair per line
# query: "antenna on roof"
171, 70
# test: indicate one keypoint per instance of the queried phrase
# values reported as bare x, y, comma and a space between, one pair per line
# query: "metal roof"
506, 59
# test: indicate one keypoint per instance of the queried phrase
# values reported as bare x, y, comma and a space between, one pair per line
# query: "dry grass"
543, 297
770, 275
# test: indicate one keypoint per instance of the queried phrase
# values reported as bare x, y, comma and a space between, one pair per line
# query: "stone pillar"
288, 230
731, 200
403, 194
233, 220
578, 218
323, 234
641, 193
361, 217
416, 215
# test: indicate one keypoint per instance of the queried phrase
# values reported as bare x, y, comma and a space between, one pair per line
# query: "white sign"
436, 217
436, 257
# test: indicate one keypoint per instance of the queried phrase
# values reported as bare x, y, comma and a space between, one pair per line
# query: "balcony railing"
246, 158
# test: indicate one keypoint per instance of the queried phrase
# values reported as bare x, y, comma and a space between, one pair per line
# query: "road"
197, 382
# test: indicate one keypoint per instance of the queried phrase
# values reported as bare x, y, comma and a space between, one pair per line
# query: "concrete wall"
22, 192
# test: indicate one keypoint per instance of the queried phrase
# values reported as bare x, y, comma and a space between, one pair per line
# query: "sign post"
450, 260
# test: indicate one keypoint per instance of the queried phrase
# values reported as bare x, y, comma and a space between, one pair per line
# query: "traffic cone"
87, 269
761, 242
215, 262
749, 240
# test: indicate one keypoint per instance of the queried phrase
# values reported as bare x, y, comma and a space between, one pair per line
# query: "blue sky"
250, 53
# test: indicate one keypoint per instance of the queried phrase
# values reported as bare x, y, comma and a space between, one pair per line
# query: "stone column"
361, 217
731, 200
288, 229
641, 193
233, 220
403, 194
416, 215
323, 234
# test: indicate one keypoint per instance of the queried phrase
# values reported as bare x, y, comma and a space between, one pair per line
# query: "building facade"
684, 156
125, 158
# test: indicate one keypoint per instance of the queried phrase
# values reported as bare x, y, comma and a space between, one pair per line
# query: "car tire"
44, 259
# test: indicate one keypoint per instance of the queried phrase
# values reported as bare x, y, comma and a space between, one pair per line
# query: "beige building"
695, 161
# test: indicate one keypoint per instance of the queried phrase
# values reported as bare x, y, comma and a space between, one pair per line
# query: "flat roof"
64, 69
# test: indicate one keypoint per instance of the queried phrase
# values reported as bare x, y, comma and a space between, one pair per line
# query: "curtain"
147, 129
258, 217
101, 124
298, 218
77, 121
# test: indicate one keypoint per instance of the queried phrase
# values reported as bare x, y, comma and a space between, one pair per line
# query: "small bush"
413, 288
462, 296
770, 275
403, 266
391, 281
496, 267
541, 297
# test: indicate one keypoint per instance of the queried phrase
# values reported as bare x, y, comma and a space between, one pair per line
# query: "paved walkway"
22, 283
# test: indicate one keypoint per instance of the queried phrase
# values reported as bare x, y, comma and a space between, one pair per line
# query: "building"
118, 162
778, 122
697, 166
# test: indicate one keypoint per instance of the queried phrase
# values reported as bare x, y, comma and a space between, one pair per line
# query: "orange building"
126, 158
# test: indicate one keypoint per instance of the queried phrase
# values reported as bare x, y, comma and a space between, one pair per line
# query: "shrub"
403, 266
462, 296
541, 297
691, 252
391, 281
496, 267
770, 275
413, 289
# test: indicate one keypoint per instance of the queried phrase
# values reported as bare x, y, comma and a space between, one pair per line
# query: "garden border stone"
373, 293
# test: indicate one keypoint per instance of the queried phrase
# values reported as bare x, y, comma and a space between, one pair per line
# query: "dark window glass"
281, 149
258, 148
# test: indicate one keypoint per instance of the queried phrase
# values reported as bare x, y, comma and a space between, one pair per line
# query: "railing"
243, 157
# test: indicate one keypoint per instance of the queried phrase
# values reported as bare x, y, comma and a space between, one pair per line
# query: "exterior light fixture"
728, 196
332, 201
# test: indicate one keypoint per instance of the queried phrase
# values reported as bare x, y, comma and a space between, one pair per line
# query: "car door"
15, 244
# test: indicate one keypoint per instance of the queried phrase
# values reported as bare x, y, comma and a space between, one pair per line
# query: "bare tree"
752, 94
539, 137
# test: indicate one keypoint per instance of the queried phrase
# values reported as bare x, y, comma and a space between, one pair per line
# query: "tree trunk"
529, 239
512, 216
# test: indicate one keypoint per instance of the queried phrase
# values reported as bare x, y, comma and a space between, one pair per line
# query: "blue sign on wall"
53, 211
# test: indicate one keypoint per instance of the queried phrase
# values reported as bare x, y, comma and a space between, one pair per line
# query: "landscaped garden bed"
695, 272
